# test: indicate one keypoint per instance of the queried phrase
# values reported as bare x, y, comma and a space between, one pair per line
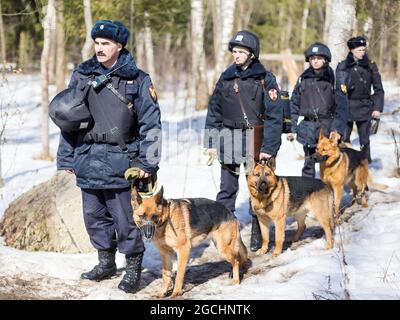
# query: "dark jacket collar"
255, 70
350, 61
326, 74
92, 66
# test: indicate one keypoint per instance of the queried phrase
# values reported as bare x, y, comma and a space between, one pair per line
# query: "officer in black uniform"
314, 99
245, 95
125, 124
360, 74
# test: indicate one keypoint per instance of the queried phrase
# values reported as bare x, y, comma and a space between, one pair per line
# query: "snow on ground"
370, 237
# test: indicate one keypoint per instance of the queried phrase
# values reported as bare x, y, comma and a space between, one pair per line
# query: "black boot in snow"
131, 280
105, 269
256, 239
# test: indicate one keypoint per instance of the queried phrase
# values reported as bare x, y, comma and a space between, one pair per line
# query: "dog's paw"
261, 251
161, 294
276, 253
235, 282
176, 293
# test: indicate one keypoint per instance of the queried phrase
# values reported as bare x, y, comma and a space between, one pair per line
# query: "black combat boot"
256, 239
105, 269
131, 280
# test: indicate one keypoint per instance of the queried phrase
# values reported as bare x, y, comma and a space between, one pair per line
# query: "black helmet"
246, 39
69, 111
318, 49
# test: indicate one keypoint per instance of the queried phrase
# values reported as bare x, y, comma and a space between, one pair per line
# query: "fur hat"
356, 42
114, 30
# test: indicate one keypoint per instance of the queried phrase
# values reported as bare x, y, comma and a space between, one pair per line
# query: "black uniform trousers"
108, 219
229, 187
363, 128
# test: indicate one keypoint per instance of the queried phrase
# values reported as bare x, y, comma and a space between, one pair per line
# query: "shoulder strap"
110, 87
237, 94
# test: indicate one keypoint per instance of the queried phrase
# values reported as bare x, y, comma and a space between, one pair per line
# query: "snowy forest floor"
367, 239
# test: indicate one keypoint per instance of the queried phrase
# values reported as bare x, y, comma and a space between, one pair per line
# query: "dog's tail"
371, 185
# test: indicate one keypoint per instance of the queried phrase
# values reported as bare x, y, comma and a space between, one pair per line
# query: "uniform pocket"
81, 157
120, 161
306, 133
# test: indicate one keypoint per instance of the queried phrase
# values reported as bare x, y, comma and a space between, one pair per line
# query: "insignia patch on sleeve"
343, 88
153, 93
273, 94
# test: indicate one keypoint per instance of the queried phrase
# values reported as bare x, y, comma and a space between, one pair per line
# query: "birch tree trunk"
60, 66
304, 23
132, 14
53, 49
140, 57
3, 46
44, 68
87, 49
245, 9
223, 29
198, 76
398, 54
383, 38
321, 18
343, 14
328, 19
149, 49
22, 51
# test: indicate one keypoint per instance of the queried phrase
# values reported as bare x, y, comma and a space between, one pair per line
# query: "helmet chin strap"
246, 64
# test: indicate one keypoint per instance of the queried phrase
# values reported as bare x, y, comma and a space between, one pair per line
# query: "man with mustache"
125, 132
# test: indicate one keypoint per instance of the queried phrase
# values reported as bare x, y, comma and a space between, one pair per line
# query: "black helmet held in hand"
246, 39
318, 49
69, 111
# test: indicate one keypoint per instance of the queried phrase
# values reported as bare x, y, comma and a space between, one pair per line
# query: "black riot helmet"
69, 111
318, 49
246, 39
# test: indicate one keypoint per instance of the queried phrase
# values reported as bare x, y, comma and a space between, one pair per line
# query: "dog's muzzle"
262, 185
147, 229
318, 158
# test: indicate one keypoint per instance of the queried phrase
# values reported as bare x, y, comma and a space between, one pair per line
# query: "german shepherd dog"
177, 225
342, 166
275, 198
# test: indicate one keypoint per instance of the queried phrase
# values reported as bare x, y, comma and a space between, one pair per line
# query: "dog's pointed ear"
271, 163
135, 197
321, 134
159, 196
334, 137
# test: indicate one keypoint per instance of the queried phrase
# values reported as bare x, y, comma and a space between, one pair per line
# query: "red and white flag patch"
273, 94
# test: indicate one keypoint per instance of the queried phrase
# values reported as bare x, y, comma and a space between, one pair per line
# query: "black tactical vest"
317, 98
251, 95
109, 112
360, 83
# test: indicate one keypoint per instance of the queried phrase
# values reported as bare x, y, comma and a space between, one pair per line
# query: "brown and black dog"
177, 225
342, 166
275, 198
